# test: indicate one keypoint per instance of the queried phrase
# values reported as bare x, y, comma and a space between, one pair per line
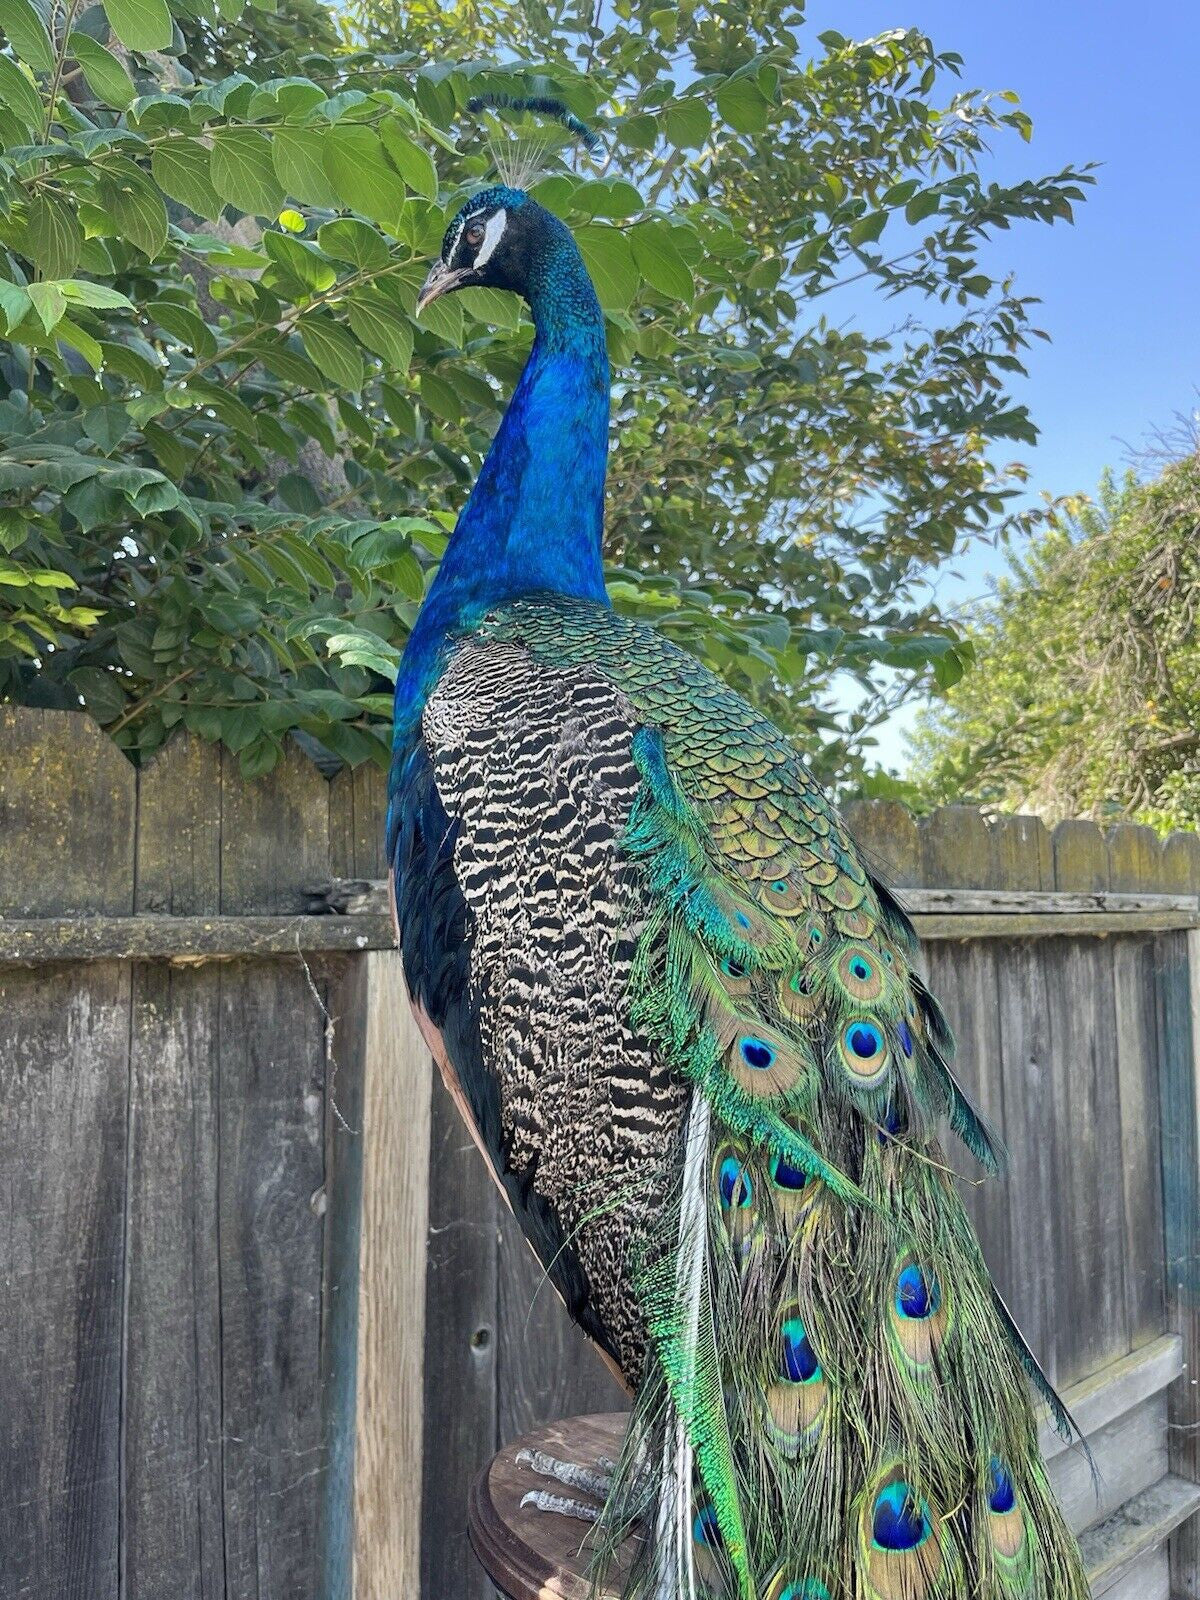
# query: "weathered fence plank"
1033, 1178
67, 804
274, 836
357, 803
545, 1367
1022, 853
966, 982
172, 1491
64, 1045
179, 830
1088, 1211
1080, 856
398, 1082
270, 1253
1137, 1084
460, 1351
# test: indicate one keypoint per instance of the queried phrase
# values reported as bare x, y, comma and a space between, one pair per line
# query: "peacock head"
490, 243
501, 239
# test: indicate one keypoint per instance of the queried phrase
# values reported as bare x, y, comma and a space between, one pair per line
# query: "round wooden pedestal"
531, 1554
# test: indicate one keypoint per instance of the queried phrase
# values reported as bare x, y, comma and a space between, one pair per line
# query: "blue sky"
1114, 84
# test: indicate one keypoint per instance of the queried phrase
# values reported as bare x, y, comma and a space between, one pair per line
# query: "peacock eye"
475, 233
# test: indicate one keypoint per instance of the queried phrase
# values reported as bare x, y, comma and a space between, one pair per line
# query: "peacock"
687, 1029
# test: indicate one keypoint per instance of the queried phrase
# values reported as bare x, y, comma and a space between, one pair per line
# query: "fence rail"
264, 1316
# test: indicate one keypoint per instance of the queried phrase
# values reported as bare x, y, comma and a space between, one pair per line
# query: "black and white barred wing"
533, 767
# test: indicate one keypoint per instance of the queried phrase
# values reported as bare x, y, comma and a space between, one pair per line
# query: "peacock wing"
520, 915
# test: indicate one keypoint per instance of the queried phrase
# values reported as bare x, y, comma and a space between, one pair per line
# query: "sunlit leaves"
243, 173
332, 351
360, 174
53, 234
106, 77
299, 157
140, 24
411, 160
658, 260
219, 413
19, 94
182, 169
610, 261
27, 34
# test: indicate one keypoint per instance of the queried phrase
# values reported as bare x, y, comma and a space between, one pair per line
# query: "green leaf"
411, 160
300, 260
610, 262
27, 34
184, 325
103, 693
106, 77
137, 208
49, 303
659, 262
687, 123
867, 229
922, 206
608, 197
14, 303
140, 25
80, 339
54, 235
20, 95
743, 105
298, 154
14, 530
181, 169
243, 172
355, 242
640, 132
106, 426
332, 350
355, 165
497, 308
365, 650
286, 97
382, 327
404, 571
98, 296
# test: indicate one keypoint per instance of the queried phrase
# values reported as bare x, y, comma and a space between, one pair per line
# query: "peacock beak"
440, 281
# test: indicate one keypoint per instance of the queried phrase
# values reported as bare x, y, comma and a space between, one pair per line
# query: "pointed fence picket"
264, 1318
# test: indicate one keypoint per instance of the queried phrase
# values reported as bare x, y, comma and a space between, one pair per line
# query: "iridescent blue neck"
535, 518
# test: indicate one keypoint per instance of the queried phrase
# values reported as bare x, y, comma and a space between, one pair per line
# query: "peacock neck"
534, 521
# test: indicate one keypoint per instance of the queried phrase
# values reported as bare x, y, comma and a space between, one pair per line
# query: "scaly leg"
591, 1481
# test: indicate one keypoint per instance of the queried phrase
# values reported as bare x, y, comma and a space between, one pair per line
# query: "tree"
232, 454
1086, 698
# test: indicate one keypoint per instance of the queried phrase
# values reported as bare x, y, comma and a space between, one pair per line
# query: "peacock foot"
593, 1481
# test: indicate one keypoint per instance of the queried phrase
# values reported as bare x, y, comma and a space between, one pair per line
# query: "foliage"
231, 453
1087, 697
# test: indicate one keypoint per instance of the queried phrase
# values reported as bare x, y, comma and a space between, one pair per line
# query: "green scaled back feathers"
836, 1406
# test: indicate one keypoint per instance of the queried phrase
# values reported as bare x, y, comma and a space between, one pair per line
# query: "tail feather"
835, 1401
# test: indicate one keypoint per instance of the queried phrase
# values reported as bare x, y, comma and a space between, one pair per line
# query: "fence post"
388, 1357
1179, 1035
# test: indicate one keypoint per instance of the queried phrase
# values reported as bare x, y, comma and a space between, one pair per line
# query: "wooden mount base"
531, 1554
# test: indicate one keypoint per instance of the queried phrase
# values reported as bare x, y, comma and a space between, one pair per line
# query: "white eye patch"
492, 235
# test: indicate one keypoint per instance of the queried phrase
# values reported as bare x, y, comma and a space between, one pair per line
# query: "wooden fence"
263, 1316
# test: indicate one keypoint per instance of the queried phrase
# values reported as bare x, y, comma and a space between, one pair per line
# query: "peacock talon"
560, 1505
586, 1480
